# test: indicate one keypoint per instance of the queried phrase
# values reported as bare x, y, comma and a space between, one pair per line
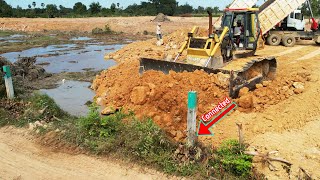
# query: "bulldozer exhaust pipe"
210, 23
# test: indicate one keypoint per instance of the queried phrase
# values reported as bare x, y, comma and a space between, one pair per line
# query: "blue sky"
107, 3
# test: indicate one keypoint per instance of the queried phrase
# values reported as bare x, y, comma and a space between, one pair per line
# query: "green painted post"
8, 82
192, 118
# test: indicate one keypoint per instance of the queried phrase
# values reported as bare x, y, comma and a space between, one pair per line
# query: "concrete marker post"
192, 118
8, 82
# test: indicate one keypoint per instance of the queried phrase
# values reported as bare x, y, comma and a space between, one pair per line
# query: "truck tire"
274, 40
288, 41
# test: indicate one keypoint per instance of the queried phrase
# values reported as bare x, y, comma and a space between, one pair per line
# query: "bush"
38, 107
97, 31
138, 140
43, 101
142, 138
107, 30
229, 156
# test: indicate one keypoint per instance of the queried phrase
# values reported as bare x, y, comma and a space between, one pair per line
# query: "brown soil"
276, 116
275, 107
22, 158
130, 25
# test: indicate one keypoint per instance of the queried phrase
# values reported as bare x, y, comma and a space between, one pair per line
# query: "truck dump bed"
274, 11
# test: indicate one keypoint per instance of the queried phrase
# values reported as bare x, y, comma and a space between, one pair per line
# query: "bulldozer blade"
238, 79
167, 66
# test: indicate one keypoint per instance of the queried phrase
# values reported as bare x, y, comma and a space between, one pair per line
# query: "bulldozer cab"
244, 27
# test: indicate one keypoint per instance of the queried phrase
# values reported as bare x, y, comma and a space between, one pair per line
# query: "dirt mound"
161, 18
164, 97
25, 67
272, 92
156, 95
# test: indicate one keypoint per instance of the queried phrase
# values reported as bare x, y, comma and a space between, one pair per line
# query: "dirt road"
22, 158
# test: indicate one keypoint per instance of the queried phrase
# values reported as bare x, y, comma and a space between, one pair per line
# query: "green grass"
40, 108
123, 136
230, 157
6, 33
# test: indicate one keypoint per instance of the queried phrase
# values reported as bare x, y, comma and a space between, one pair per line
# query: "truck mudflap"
252, 72
317, 39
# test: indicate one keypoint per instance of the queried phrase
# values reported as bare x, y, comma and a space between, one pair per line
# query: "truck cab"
294, 22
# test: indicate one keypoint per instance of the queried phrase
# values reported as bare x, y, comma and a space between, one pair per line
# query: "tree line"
145, 8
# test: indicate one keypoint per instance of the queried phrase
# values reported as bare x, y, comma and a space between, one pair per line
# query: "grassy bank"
123, 136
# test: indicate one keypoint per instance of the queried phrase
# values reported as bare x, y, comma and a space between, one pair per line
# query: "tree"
29, 6
200, 9
209, 9
167, 7
95, 8
118, 5
184, 9
79, 8
315, 6
216, 10
113, 7
5, 9
43, 5
52, 10
64, 10
34, 4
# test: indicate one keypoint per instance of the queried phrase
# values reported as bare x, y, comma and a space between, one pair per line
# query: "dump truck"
282, 22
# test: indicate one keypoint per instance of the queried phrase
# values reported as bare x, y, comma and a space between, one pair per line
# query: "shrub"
44, 102
107, 29
97, 31
229, 156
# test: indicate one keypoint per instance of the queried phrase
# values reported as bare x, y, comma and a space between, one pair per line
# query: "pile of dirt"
26, 68
24, 72
164, 97
156, 95
272, 92
161, 18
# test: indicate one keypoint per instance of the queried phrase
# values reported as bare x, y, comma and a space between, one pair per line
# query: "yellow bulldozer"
229, 50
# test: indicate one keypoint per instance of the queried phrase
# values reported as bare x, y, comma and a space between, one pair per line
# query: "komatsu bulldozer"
229, 51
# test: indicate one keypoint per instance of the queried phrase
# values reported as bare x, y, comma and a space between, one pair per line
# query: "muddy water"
87, 54
81, 39
69, 57
72, 96
84, 54
12, 39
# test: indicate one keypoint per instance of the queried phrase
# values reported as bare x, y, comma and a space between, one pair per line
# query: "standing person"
159, 34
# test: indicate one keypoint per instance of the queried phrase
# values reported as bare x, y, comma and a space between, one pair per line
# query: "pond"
72, 96
69, 57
